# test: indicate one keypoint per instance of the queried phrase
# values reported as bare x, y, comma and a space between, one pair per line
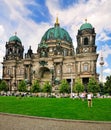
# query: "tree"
78, 87
101, 85
47, 87
22, 86
3, 86
107, 85
64, 87
93, 86
0, 81
36, 86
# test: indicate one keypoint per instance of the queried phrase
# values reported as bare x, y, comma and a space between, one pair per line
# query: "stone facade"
55, 58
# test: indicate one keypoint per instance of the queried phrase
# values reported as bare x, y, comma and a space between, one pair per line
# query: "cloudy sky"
31, 19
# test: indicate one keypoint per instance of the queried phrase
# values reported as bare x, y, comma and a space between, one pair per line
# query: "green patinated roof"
43, 45
14, 38
86, 26
57, 33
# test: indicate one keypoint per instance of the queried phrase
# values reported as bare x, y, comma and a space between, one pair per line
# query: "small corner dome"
86, 26
15, 39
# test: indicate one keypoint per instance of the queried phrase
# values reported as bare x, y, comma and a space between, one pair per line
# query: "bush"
78, 87
35, 86
3, 86
22, 86
64, 87
47, 87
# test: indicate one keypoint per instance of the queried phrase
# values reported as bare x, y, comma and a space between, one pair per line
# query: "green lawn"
64, 108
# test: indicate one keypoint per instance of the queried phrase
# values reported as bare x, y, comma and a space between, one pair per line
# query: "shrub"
3, 86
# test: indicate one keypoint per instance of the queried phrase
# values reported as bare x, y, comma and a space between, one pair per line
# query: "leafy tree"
107, 85
22, 86
93, 86
64, 87
3, 86
47, 87
0, 81
36, 86
101, 85
78, 87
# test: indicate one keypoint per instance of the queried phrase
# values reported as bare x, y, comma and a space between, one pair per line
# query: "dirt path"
19, 122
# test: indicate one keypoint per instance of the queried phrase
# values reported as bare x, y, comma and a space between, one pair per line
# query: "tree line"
64, 87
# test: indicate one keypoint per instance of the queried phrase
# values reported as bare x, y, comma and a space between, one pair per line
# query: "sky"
32, 18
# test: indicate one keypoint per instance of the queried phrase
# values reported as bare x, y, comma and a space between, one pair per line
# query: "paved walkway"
19, 122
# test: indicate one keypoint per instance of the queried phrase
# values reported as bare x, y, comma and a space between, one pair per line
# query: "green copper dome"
86, 26
56, 33
14, 38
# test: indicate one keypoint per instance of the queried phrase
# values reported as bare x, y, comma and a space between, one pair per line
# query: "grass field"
64, 108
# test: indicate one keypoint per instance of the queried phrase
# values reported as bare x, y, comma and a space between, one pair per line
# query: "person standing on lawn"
89, 98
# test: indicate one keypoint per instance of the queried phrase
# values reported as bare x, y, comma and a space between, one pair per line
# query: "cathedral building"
55, 58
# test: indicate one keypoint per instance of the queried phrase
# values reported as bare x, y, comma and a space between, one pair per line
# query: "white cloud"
103, 37
97, 12
27, 30
106, 50
1, 30
108, 71
103, 78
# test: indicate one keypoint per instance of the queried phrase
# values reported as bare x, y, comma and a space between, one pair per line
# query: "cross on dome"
86, 20
57, 21
15, 33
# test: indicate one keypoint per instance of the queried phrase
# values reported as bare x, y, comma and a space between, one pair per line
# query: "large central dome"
55, 41
57, 33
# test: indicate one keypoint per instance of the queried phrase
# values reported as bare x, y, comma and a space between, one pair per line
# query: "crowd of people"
84, 96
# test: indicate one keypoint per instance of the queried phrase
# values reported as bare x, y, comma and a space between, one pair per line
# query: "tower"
86, 55
101, 64
86, 39
12, 61
14, 48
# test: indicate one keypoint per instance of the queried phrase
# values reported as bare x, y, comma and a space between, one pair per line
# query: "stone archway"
44, 74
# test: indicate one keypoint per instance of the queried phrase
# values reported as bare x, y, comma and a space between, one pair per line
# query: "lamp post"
71, 84
101, 64
10, 89
15, 82
70, 71
15, 74
52, 72
71, 79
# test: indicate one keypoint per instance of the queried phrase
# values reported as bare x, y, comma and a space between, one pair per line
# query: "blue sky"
31, 19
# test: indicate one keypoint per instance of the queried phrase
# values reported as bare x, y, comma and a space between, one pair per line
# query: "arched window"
65, 52
85, 67
10, 52
51, 36
86, 41
65, 37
